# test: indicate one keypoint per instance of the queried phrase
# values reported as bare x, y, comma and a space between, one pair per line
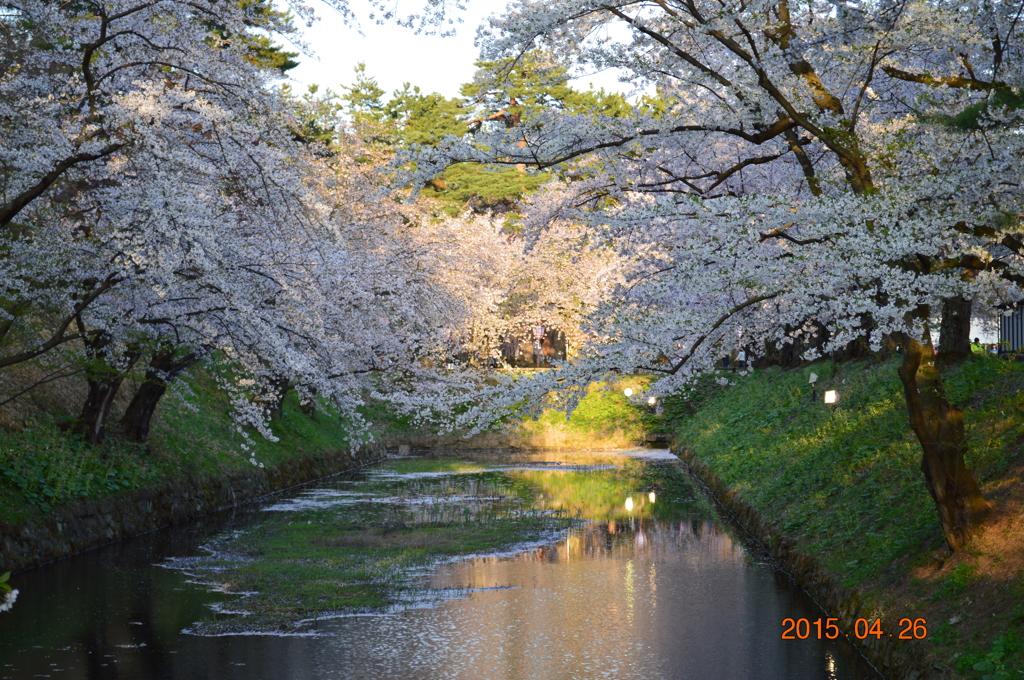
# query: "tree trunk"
275, 399
940, 429
307, 403
955, 331
163, 369
104, 382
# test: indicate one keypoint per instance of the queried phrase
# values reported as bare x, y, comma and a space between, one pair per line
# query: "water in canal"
645, 582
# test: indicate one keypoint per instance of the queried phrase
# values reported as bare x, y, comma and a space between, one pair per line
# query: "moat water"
661, 589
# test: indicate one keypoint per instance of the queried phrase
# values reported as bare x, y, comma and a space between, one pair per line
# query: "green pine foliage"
260, 48
316, 114
425, 119
364, 98
503, 93
525, 87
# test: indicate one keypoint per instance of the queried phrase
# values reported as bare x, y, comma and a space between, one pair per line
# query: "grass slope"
604, 419
193, 438
41, 466
845, 483
604, 414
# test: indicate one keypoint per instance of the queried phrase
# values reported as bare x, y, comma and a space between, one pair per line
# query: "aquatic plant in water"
359, 549
10, 595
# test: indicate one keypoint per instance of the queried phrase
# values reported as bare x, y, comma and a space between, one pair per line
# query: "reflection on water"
658, 590
639, 600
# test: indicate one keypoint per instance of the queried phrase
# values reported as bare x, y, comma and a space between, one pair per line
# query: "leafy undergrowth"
603, 419
604, 414
42, 466
206, 442
845, 483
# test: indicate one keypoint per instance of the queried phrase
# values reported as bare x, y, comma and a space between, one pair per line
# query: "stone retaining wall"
90, 523
896, 659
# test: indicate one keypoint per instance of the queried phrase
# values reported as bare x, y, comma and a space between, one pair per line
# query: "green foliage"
263, 52
604, 410
678, 407
975, 117
512, 92
957, 581
425, 119
988, 389
42, 466
48, 467
601, 414
316, 114
4, 585
506, 93
203, 440
1000, 663
483, 187
259, 47
845, 482
364, 98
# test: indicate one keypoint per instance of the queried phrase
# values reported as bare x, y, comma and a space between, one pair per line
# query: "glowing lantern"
629, 504
831, 397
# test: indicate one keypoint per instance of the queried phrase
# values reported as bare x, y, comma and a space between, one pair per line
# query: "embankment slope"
843, 486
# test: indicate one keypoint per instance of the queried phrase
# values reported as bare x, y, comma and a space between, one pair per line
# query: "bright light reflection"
831, 397
629, 505
830, 664
651, 496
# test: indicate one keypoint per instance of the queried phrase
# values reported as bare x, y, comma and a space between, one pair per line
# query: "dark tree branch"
11, 210
725, 317
950, 81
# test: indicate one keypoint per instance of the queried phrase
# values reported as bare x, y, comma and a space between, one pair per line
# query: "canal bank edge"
896, 659
90, 523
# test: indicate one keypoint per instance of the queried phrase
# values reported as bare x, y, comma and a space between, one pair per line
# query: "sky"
395, 55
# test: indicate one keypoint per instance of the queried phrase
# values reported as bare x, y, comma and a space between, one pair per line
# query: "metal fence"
1011, 331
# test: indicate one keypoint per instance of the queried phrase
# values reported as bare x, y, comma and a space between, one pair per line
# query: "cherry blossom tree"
802, 170
156, 201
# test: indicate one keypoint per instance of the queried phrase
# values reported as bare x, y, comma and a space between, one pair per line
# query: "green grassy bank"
844, 482
604, 419
193, 438
43, 467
